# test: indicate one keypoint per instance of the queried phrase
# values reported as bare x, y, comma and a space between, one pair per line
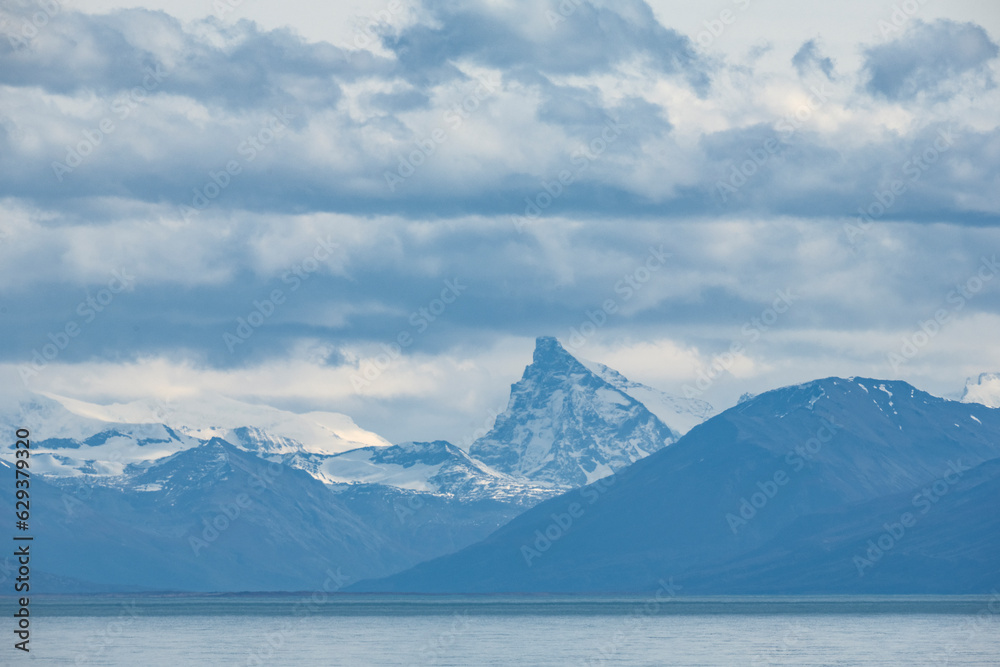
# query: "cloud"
808, 58
471, 109
534, 153
237, 66
930, 59
550, 38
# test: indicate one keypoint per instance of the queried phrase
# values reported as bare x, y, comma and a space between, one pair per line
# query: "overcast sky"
375, 207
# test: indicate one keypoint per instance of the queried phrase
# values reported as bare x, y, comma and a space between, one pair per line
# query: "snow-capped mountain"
140, 483
73, 437
47, 418
680, 414
566, 426
108, 452
251, 426
568, 422
786, 493
984, 389
216, 517
210, 518
427, 467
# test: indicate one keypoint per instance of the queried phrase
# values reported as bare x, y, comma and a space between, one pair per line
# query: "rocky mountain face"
145, 486
833, 486
209, 518
437, 467
566, 426
680, 414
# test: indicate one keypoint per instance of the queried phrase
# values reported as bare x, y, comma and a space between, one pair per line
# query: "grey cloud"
516, 284
809, 57
927, 59
400, 100
161, 156
78, 52
583, 39
810, 176
582, 113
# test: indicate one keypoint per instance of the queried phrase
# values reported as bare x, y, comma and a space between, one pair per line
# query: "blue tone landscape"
490, 332
834, 486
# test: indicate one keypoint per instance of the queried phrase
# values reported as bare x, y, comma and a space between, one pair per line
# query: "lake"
532, 630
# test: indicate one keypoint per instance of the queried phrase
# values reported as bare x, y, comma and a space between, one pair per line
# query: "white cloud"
692, 115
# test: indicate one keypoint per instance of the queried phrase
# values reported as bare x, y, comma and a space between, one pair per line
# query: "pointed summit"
547, 345
550, 353
834, 462
566, 426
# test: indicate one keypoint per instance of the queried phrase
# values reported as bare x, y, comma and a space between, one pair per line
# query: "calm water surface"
361, 630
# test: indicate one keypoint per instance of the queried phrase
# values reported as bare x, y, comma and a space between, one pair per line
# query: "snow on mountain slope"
984, 389
108, 452
73, 438
206, 416
427, 467
46, 418
774, 496
68, 444
568, 423
566, 426
680, 414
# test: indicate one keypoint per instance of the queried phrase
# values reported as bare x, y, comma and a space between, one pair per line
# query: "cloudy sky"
375, 207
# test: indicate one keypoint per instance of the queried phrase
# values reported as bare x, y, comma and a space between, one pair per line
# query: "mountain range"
587, 482
834, 486
155, 474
